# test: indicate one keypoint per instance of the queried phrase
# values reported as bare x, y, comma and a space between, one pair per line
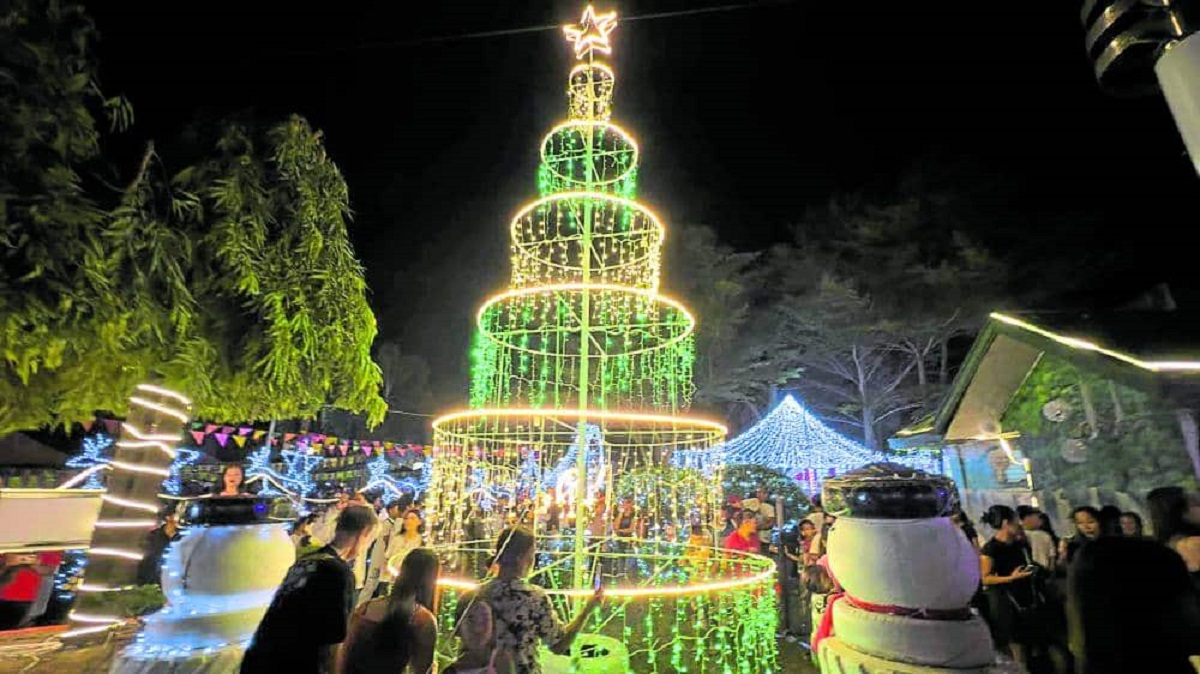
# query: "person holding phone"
523, 613
1019, 617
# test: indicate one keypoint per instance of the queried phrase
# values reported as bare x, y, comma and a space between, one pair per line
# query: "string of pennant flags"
248, 437
315, 442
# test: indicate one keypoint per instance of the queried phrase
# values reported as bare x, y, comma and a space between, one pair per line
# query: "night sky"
746, 117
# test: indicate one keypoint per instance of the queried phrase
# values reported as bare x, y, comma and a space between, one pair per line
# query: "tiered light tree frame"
582, 338
581, 376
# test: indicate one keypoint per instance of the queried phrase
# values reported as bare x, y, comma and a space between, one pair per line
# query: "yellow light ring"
579, 195
645, 267
589, 91
518, 293
521, 245
595, 65
677, 431
549, 161
447, 439
764, 576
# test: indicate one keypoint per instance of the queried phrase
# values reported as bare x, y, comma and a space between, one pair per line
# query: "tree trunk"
141, 460
868, 424
921, 377
944, 362
1089, 409
1118, 411
1191, 437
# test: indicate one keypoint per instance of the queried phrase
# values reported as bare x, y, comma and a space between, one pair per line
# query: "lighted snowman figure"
219, 579
908, 572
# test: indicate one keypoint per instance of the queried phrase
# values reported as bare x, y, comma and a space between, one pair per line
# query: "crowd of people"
340, 610
1108, 599
362, 597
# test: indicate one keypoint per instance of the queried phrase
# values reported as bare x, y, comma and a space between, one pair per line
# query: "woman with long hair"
1019, 617
1131, 525
1088, 527
406, 536
233, 481
397, 633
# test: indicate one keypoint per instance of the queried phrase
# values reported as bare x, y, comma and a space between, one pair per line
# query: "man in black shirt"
307, 618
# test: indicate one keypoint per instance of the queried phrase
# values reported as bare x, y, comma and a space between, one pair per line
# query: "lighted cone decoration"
794, 442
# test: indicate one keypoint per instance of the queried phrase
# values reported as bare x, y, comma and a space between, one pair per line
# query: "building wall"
1082, 431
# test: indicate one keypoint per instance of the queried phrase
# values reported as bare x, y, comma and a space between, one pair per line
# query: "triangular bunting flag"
87, 425
240, 440
287, 437
222, 438
389, 445
332, 440
258, 434
367, 449
198, 436
209, 428
111, 425
318, 446
245, 430
228, 430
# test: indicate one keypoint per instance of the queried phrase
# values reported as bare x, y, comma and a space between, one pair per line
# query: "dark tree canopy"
228, 275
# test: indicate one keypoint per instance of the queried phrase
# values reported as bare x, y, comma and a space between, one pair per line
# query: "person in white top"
406, 537
378, 580
1041, 545
326, 526
767, 515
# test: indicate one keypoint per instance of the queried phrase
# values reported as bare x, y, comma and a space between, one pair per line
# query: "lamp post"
1138, 47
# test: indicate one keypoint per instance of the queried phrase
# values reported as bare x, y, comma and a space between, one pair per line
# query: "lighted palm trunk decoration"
582, 351
141, 461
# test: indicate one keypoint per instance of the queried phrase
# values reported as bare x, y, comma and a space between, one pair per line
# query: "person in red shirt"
745, 536
19, 583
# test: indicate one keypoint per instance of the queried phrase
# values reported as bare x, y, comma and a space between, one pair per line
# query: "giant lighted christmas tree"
581, 373
581, 350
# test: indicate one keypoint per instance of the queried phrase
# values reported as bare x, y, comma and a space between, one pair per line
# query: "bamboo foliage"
230, 275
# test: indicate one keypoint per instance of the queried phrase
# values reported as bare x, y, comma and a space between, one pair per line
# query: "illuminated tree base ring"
674, 608
461, 433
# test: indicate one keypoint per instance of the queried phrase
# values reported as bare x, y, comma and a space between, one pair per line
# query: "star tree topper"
591, 35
